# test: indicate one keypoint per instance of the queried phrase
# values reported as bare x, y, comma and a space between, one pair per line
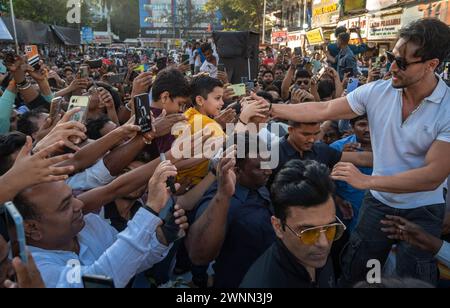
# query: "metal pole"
264, 23
14, 25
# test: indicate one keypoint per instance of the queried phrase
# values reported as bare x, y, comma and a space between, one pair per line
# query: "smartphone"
170, 229
349, 70
55, 107
94, 64
32, 53
353, 84
322, 72
118, 78
16, 232
161, 63
250, 86
298, 51
221, 67
79, 102
143, 112
84, 72
185, 59
239, 89
98, 282
376, 62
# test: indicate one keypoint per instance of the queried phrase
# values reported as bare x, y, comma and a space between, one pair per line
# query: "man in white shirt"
210, 64
410, 127
67, 245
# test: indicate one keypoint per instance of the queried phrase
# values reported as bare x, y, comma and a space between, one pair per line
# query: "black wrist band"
148, 208
243, 122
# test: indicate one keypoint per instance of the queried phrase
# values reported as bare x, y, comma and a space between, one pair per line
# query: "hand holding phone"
143, 112
16, 232
81, 102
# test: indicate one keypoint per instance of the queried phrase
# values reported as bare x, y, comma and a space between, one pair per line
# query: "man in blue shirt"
233, 221
333, 49
359, 141
346, 60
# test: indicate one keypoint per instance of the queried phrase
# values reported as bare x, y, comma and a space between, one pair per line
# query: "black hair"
269, 72
326, 88
9, 144
205, 47
266, 95
25, 207
431, 35
172, 81
353, 121
248, 140
278, 67
340, 30
94, 126
25, 125
300, 184
344, 37
203, 85
302, 74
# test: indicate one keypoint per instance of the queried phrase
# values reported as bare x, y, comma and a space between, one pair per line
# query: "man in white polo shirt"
409, 120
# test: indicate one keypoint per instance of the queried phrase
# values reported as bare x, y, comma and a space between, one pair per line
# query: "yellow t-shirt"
198, 121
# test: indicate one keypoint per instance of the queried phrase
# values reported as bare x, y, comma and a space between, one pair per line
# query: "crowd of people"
361, 142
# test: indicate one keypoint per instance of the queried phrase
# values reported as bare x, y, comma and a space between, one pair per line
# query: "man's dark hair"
94, 126
9, 144
249, 141
269, 72
431, 35
300, 184
353, 121
25, 125
344, 37
266, 95
326, 88
172, 81
340, 30
25, 207
303, 74
203, 85
278, 67
205, 47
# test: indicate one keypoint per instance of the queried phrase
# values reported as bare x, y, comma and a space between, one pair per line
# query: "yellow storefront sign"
315, 36
326, 9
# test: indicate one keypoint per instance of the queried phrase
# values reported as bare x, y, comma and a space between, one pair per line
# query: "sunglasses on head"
402, 63
310, 236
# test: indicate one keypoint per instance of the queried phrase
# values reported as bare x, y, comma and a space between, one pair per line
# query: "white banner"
384, 27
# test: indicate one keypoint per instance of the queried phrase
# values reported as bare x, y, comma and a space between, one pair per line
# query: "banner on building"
384, 27
357, 22
325, 12
377, 5
438, 9
354, 5
315, 36
279, 37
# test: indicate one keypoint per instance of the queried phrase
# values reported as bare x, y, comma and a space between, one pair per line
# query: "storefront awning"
4, 33
28, 32
69, 36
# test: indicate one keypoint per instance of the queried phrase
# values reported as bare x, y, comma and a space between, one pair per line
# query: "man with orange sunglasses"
306, 226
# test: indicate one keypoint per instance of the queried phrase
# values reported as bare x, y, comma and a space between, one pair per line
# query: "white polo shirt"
399, 147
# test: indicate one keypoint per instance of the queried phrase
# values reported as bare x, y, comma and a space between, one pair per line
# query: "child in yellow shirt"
207, 98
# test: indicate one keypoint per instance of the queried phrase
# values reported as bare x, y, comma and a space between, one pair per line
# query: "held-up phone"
16, 232
79, 102
349, 70
84, 72
239, 89
118, 78
94, 64
221, 67
170, 229
353, 84
184, 59
298, 51
98, 282
32, 53
55, 107
161, 63
143, 112
376, 62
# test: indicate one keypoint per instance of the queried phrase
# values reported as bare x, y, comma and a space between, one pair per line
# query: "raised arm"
427, 178
338, 109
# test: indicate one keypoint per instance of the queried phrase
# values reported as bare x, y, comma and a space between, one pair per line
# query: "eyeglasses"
401, 62
333, 232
